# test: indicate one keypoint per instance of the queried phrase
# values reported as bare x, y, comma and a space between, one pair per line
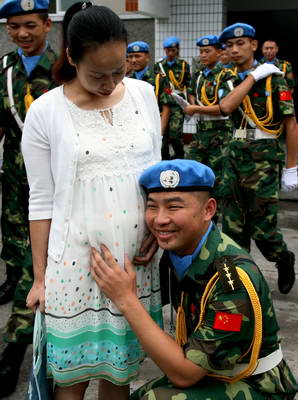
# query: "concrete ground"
286, 308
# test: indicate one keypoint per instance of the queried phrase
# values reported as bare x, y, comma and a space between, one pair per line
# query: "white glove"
264, 70
289, 179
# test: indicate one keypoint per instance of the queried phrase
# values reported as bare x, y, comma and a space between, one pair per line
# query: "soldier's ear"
254, 44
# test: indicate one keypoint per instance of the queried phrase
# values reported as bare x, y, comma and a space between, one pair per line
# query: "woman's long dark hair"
85, 26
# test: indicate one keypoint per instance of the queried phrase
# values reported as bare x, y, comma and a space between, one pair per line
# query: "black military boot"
8, 288
286, 272
10, 363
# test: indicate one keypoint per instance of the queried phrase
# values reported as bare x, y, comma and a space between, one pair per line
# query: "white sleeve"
37, 157
157, 137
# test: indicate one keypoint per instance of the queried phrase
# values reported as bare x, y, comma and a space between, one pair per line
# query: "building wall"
190, 19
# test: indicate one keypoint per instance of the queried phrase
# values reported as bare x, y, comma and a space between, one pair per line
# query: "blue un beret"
177, 176
237, 30
138, 47
9, 8
208, 40
172, 41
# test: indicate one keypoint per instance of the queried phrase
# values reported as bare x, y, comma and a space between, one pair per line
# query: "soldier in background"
260, 108
177, 71
222, 300
25, 75
225, 59
138, 54
270, 50
214, 131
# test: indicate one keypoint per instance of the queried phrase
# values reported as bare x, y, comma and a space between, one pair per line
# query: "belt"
205, 117
264, 364
252, 134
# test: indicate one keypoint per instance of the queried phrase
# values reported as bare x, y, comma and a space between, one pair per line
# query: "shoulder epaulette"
228, 274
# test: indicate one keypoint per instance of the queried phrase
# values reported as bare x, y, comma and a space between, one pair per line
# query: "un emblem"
169, 178
136, 48
27, 5
238, 31
205, 42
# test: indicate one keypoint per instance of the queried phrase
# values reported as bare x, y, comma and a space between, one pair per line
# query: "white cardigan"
50, 148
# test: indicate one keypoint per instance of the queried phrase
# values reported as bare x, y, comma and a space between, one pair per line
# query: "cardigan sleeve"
37, 157
154, 112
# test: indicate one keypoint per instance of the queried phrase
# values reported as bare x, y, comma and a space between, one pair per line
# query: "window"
60, 6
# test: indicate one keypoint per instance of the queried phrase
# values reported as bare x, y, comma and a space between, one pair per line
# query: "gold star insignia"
228, 275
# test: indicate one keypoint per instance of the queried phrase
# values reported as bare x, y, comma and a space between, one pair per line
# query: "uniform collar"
207, 71
46, 60
181, 264
243, 75
140, 74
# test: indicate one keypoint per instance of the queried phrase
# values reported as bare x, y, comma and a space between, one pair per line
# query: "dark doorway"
281, 25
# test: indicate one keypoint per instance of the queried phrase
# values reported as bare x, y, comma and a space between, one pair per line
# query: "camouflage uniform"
16, 250
252, 175
286, 68
209, 144
150, 77
217, 349
174, 132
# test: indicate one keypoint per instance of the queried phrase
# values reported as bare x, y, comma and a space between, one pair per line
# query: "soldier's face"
269, 50
178, 220
224, 57
138, 61
102, 68
241, 50
209, 55
28, 32
171, 53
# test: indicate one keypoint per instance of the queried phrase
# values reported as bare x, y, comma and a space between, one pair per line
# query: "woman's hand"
118, 284
36, 297
148, 248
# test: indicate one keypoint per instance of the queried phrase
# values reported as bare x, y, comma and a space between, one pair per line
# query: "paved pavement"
286, 307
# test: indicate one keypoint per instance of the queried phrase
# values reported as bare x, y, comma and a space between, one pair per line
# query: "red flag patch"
285, 95
227, 322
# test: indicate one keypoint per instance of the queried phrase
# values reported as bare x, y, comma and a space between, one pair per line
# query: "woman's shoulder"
137, 84
47, 99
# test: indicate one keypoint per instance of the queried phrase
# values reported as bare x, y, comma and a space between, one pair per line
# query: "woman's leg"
75, 392
109, 391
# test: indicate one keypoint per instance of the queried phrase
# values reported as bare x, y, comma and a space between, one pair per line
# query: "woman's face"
102, 68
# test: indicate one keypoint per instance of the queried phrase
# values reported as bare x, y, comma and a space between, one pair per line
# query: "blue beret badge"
27, 5
136, 48
239, 31
205, 42
169, 178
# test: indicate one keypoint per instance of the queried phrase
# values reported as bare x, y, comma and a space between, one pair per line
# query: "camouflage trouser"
207, 389
250, 204
173, 135
19, 328
210, 148
16, 252
14, 222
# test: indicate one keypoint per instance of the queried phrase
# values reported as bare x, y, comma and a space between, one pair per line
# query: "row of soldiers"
26, 74
245, 119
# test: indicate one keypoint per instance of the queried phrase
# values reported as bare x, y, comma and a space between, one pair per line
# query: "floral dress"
87, 336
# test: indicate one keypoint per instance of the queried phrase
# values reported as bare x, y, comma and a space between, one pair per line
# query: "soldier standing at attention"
214, 131
222, 350
261, 108
139, 57
25, 75
270, 50
177, 71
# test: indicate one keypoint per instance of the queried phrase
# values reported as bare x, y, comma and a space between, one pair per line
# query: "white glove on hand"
289, 179
264, 70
